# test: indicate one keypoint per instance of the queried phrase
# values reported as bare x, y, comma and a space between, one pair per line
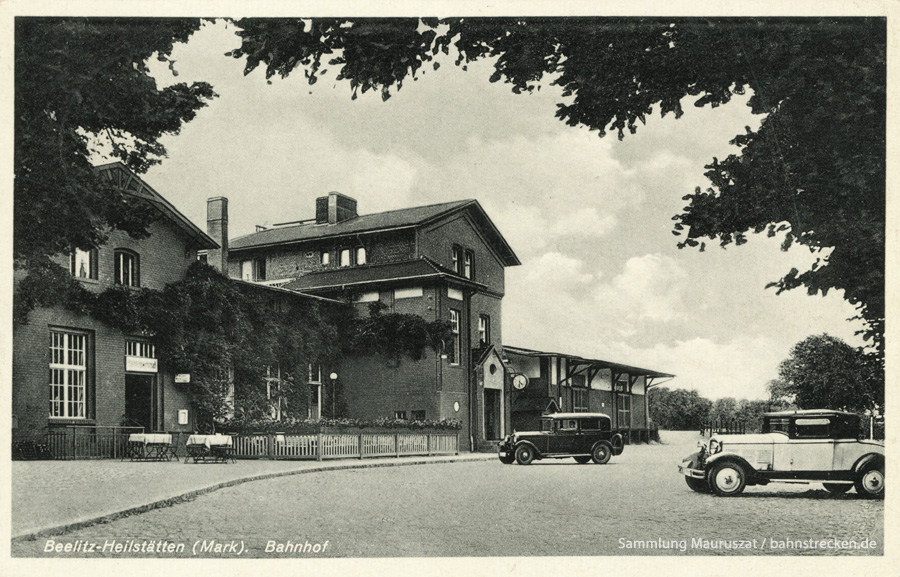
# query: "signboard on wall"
182, 378
140, 364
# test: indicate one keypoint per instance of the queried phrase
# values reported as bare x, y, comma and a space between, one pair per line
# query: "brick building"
443, 261
70, 369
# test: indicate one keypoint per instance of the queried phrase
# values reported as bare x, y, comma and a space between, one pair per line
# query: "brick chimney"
217, 228
335, 208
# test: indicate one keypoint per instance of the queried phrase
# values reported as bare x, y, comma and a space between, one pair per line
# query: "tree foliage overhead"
824, 372
813, 172
80, 83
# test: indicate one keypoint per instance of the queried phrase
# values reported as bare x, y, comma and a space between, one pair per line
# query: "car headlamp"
714, 447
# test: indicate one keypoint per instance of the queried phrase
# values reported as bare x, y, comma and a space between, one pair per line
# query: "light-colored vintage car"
811, 446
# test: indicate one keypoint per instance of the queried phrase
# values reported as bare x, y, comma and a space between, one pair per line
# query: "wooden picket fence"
319, 446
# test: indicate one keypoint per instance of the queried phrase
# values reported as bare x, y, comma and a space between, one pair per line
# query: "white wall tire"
727, 479
870, 482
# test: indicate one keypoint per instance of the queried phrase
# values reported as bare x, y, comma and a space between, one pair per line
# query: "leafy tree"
724, 409
824, 372
813, 172
81, 84
678, 409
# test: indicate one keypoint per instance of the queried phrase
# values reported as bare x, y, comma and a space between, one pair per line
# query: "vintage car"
811, 446
584, 436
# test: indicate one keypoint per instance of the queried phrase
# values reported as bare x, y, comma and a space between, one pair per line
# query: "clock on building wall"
520, 382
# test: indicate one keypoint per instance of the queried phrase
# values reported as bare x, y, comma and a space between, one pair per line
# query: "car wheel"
601, 453
727, 479
836, 488
870, 482
698, 485
581, 460
524, 455
617, 443
507, 459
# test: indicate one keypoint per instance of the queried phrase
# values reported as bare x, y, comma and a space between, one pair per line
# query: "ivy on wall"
223, 333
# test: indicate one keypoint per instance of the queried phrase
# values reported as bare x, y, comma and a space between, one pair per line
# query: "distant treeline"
678, 409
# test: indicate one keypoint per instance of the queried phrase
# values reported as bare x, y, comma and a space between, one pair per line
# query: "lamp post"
333, 377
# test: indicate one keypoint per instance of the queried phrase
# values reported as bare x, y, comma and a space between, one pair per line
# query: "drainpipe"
471, 381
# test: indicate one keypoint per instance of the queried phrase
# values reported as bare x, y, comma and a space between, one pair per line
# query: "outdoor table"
209, 448
150, 447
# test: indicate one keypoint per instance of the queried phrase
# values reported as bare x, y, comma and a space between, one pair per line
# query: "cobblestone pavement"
637, 504
50, 494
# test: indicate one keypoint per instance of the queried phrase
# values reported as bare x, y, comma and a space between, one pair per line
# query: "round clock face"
520, 381
456, 406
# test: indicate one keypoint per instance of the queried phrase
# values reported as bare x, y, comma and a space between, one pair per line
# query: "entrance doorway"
491, 414
139, 401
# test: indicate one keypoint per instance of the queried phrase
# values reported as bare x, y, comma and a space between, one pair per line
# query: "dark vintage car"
812, 446
584, 436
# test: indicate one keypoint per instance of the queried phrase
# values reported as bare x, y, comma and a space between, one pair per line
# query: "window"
812, 428
484, 329
567, 424
454, 341
325, 258
776, 425
418, 415
624, 411
361, 255
83, 264
345, 257
400, 415
68, 374
127, 268
455, 255
254, 269
273, 391
580, 400
469, 265
202, 257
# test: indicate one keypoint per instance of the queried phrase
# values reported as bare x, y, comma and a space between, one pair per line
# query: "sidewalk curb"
52, 530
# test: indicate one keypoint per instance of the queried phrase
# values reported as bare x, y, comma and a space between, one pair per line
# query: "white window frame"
624, 413
361, 255
314, 377
127, 275
468, 264
325, 258
455, 256
484, 329
400, 415
368, 297
455, 348
345, 257
247, 270
68, 374
80, 258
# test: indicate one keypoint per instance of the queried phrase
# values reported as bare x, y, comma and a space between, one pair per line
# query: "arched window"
128, 267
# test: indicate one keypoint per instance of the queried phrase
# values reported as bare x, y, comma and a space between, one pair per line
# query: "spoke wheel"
524, 455
727, 479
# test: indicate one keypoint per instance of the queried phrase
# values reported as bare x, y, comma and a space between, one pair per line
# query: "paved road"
553, 508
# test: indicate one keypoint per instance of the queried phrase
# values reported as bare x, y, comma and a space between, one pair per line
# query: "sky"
590, 218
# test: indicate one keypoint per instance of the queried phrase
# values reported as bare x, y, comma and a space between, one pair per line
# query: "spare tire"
617, 442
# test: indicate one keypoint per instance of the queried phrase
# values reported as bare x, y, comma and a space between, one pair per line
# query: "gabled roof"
598, 363
128, 181
419, 270
405, 218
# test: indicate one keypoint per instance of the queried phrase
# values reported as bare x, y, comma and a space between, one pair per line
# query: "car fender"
732, 457
537, 452
867, 459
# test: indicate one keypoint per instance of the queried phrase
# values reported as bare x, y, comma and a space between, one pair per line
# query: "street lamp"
333, 377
